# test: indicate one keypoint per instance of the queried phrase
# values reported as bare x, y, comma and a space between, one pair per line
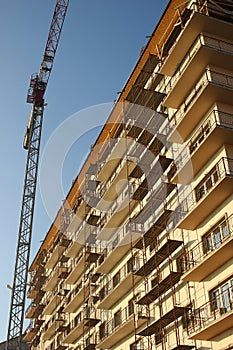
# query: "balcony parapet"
84, 321
117, 247
207, 256
121, 326
215, 130
58, 320
203, 40
212, 318
119, 285
216, 186
211, 87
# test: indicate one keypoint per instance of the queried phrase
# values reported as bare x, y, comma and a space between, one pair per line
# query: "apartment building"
140, 254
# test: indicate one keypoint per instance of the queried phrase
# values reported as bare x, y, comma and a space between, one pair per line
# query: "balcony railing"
195, 255
54, 326
61, 267
122, 237
119, 320
83, 322
202, 40
126, 270
224, 168
212, 318
214, 119
209, 76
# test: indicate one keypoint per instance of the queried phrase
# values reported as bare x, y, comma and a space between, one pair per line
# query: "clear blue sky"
100, 44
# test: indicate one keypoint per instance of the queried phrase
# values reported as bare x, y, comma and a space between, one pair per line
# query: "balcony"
118, 286
120, 327
147, 70
158, 257
212, 319
144, 118
150, 235
52, 326
206, 50
53, 299
74, 249
36, 340
216, 187
34, 310
111, 157
57, 274
197, 23
207, 256
110, 190
215, 131
31, 331
160, 288
145, 97
76, 298
155, 203
82, 323
163, 321
112, 220
36, 274
213, 86
118, 247
81, 263
54, 257
35, 288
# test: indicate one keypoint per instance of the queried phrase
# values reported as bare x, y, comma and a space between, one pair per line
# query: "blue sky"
100, 44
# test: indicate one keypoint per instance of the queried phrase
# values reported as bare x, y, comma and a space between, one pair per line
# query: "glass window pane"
224, 228
217, 237
226, 296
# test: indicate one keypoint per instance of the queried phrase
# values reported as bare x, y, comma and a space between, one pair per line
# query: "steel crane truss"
32, 138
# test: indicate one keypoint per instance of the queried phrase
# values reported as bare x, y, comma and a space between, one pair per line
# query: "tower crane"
37, 88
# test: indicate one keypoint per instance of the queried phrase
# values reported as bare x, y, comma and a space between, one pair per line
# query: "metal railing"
209, 76
122, 273
87, 313
202, 40
213, 310
121, 318
60, 267
222, 169
196, 254
214, 119
116, 240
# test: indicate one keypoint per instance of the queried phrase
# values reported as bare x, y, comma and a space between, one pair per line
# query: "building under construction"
140, 254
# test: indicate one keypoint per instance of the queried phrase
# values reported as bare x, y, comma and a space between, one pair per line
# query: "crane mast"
38, 84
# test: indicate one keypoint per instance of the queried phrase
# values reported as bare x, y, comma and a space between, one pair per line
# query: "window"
152, 246
158, 338
221, 297
77, 319
132, 264
116, 279
138, 345
213, 239
207, 183
117, 318
185, 262
131, 307
188, 317
102, 293
102, 330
